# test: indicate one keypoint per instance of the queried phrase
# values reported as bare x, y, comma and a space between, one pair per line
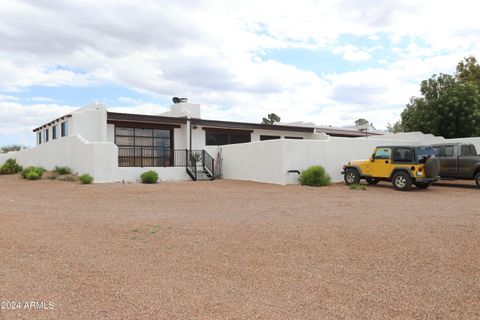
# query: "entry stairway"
200, 165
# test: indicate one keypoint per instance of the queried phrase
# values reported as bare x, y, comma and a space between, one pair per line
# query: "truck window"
448, 151
437, 151
402, 155
465, 150
473, 151
383, 153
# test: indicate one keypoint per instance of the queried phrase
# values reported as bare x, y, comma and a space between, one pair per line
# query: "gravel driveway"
237, 250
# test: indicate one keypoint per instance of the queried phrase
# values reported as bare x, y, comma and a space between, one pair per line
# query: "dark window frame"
145, 155
266, 137
46, 135
293, 138
228, 133
64, 129
39, 137
54, 132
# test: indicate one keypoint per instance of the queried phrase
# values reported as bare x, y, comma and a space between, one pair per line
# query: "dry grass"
239, 250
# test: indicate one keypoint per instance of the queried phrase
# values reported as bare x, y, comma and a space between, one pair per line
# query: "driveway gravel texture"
237, 250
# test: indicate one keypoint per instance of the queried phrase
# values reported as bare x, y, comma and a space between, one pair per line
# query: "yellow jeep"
402, 165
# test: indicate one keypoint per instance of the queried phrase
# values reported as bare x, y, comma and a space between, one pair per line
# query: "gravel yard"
238, 250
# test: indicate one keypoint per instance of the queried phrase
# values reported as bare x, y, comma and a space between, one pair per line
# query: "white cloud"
212, 51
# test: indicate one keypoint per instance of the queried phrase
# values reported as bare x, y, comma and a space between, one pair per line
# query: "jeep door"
381, 166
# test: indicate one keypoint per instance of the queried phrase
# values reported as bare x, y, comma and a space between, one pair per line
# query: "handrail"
208, 163
191, 164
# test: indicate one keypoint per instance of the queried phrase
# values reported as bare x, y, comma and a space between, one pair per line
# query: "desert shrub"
68, 178
149, 177
32, 173
314, 176
85, 179
358, 186
10, 167
63, 170
52, 175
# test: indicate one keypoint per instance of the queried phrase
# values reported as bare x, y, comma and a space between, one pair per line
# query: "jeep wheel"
401, 181
423, 185
351, 177
372, 181
477, 179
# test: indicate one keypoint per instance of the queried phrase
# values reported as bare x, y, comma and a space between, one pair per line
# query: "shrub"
149, 177
32, 173
10, 167
315, 176
68, 178
358, 187
63, 170
86, 179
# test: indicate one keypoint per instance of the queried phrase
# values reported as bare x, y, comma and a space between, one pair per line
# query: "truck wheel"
372, 181
477, 179
401, 181
423, 185
351, 177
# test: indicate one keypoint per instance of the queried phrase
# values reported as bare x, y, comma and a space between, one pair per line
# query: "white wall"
164, 174
98, 159
90, 123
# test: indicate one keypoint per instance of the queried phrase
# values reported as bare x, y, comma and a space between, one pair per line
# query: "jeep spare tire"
432, 167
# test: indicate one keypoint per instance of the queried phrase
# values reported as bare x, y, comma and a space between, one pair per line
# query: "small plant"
154, 229
62, 170
10, 167
32, 173
149, 177
68, 178
357, 186
86, 179
52, 175
314, 176
197, 156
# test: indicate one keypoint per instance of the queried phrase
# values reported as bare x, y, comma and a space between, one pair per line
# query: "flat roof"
52, 122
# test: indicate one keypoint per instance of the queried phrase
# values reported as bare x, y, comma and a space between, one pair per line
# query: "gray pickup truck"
458, 161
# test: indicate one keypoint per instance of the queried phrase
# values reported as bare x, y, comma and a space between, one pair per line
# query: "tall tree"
448, 107
271, 119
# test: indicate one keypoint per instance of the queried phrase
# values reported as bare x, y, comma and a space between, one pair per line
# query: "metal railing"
166, 157
208, 164
151, 157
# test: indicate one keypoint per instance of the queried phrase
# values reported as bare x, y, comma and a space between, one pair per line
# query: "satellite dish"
176, 100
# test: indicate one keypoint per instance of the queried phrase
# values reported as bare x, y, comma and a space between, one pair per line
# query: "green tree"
396, 127
361, 122
13, 147
271, 119
448, 107
469, 70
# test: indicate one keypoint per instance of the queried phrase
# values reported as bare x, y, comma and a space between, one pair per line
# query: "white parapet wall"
95, 158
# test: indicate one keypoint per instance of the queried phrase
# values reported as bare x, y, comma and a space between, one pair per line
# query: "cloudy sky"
326, 61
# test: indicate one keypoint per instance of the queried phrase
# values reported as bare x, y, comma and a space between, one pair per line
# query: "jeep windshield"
423, 153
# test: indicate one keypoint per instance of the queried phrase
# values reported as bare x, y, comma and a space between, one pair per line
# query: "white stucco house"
181, 145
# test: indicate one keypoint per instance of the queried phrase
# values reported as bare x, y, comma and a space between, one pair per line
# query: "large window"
222, 137
144, 147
